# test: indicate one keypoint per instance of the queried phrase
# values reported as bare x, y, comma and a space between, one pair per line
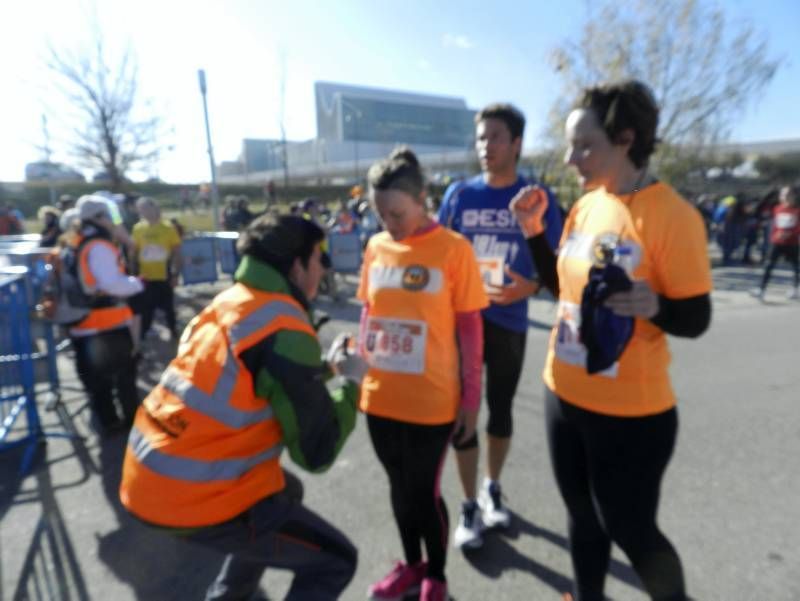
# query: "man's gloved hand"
344, 360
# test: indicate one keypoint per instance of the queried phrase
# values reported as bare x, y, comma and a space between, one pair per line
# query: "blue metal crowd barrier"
18, 357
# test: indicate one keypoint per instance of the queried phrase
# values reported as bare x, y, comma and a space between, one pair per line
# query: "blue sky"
480, 51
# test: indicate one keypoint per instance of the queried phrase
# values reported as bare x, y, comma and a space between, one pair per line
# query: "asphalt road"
730, 503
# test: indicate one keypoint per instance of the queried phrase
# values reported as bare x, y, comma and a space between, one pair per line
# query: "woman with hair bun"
422, 336
609, 405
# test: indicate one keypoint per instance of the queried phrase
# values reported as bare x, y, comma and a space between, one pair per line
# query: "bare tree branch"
110, 133
703, 69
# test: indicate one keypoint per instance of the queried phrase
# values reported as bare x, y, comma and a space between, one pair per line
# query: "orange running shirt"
666, 241
414, 289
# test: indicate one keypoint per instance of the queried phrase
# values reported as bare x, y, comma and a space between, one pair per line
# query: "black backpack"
64, 301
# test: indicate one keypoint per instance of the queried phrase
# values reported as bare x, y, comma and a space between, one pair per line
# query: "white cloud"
424, 64
452, 40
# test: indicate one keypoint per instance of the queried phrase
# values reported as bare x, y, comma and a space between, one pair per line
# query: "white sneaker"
757, 293
470, 525
495, 514
793, 294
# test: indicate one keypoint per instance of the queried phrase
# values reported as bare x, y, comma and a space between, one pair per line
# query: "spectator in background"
764, 211
368, 221
230, 214
127, 209
9, 223
65, 202
51, 230
785, 239
158, 264
102, 341
269, 193
751, 228
244, 214
178, 227
723, 221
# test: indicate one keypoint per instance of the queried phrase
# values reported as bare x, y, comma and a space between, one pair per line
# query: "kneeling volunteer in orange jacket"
203, 459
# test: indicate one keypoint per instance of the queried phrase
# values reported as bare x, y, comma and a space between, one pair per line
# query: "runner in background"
611, 434
421, 335
158, 263
478, 209
785, 240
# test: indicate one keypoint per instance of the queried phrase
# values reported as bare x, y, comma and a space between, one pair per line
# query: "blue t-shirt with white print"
480, 212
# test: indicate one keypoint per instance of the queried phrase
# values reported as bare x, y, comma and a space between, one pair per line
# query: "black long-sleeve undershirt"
686, 317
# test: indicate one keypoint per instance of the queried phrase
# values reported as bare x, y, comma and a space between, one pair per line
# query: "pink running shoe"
401, 581
433, 590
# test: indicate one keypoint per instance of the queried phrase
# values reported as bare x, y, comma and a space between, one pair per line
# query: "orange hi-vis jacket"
204, 448
111, 312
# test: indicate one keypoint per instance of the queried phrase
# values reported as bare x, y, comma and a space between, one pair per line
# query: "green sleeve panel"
315, 422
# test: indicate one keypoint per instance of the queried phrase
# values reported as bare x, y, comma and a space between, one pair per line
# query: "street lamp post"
201, 76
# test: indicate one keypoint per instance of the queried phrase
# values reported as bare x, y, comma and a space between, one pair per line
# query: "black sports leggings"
413, 455
790, 253
609, 471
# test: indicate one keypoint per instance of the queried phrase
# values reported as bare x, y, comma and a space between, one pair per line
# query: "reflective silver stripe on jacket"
261, 318
217, 404
195, 470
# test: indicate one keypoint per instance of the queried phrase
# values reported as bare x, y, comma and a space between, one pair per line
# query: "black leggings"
791, 252
413, 455
105, 365
158, 295
609, 472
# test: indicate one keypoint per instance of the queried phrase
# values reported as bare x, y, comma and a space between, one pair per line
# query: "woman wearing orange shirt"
612, 428
422, 336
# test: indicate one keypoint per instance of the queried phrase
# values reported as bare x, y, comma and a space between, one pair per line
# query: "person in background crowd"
65, 202
158, 263
422, 337
178, 227
611, 433
368, 221
203, 458
128, 211
102, 341
751, 229
478, 209
9, 223
785, 239
270, 196
51, 231
244, 215
230, 214
764, 212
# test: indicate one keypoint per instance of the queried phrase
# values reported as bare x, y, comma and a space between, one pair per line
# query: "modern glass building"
353, 113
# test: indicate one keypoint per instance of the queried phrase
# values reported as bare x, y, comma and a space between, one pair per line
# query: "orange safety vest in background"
112, 314
204, 448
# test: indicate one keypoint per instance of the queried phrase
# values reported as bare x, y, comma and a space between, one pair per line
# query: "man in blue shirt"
478, 208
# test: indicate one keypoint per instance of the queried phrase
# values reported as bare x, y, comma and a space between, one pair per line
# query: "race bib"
785, 221
568, 347
492, 270
396, 345
153, 252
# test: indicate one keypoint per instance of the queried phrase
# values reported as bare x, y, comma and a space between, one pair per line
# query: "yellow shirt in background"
154, 246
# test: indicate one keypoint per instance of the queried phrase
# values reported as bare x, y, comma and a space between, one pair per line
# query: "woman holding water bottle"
422, 336
611, 433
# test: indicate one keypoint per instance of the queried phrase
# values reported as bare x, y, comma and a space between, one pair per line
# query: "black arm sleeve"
545, 260
687, 317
